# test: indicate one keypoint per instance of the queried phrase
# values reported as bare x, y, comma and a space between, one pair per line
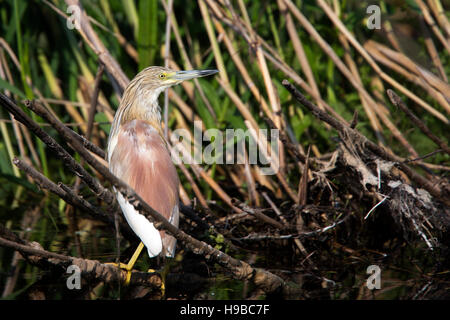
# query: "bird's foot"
162, 273
127, 267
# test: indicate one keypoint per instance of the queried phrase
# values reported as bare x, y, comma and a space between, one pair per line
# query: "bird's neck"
140, 105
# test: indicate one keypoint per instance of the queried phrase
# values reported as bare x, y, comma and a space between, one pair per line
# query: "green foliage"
147, 43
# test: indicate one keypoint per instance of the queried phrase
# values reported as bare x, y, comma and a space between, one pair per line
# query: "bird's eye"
162, 76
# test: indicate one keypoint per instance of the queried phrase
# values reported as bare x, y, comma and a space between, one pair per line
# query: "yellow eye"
162, 76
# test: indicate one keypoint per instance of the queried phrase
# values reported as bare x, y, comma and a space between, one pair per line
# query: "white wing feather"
143, 228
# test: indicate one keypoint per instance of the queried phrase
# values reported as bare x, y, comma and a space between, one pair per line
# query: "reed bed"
362, 156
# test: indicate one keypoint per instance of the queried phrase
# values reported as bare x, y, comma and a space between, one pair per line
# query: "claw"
162, 274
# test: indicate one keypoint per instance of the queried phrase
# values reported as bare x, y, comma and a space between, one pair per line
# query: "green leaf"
131, 14
20, 181
147, 44
7, 86
102, 119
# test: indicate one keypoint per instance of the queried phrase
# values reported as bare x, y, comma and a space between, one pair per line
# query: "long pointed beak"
191, 74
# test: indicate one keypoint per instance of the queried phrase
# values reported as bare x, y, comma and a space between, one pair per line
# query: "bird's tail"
169, 244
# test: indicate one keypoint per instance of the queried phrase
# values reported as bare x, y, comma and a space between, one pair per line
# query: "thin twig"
419, 123
166, 64
93, 106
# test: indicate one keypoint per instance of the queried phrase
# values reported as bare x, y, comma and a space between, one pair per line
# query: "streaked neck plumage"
138, 103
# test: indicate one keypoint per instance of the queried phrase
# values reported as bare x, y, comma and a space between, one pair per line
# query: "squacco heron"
138, 154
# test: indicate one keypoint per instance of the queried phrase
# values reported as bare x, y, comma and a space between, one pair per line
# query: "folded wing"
138, 155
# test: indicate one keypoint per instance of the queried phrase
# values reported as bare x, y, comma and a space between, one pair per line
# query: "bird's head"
160, 78
140, 98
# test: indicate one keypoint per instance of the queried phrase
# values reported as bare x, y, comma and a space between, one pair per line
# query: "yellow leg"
129, 266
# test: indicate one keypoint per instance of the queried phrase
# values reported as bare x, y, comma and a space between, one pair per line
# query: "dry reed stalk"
215, 186
187, 61
91, 38
298, 80
200, 173
273, 100
243, 109
342, 28
244, 29
402, 59
276, 110
263, 146
244, 12
166, 64
387, 26
432, 51
235, 179
374, 107
251, 186
252, 37
434, 27
240, 175
234, 54
300, 52
16, 62
182, 166
440, 15
57, 92
342, 67
194, 186
262, 179
253, 125
26, 134
213, 40
184, 197
368, 107
182, 124
325, 47
224, 81
243, 25
386, 58
78, 104
94, 42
